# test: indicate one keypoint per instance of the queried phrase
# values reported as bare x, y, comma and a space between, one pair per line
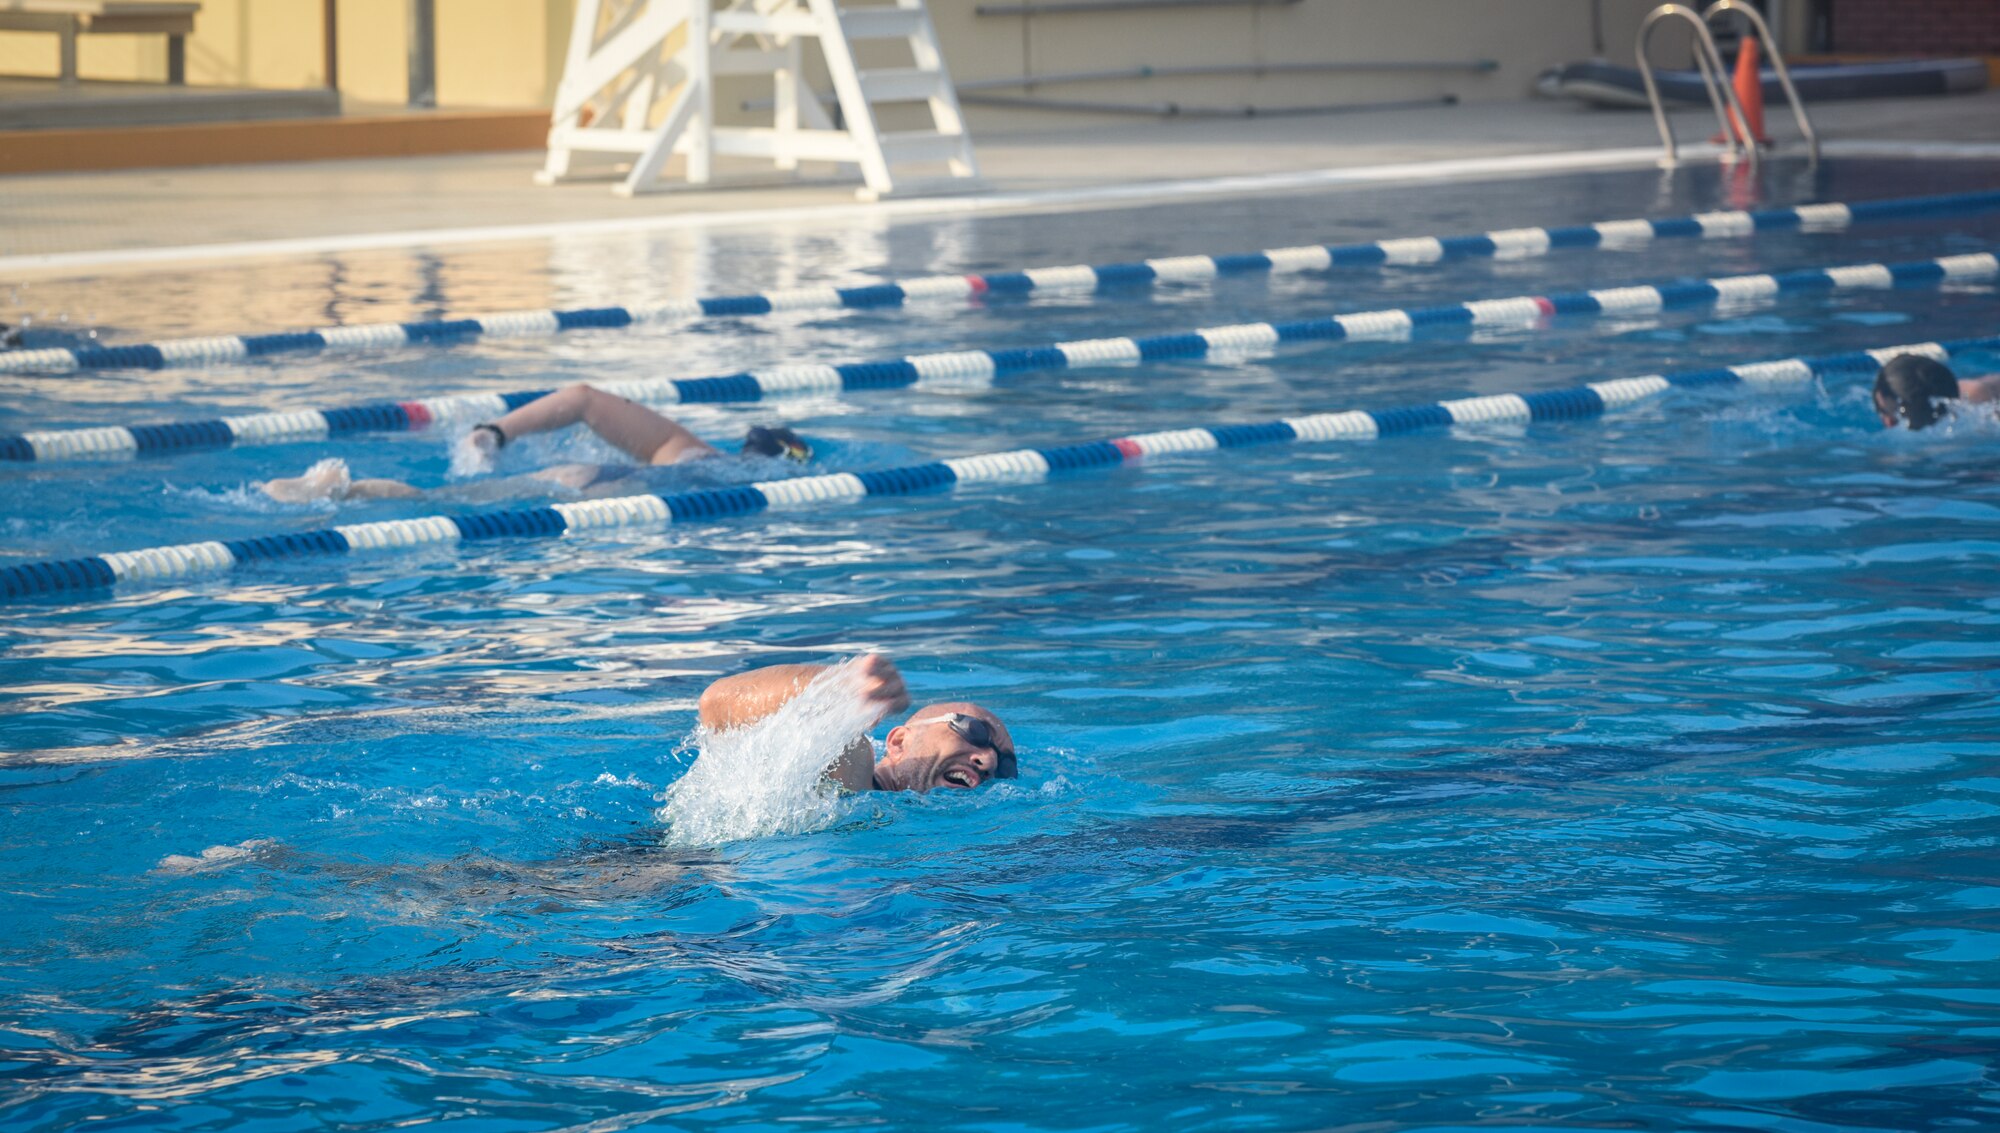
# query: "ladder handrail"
1708, 61
1763, 31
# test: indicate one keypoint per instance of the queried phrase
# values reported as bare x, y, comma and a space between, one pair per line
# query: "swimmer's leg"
575, 477
379, 489
628, 426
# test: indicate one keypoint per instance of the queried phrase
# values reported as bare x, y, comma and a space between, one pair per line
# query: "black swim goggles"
776, 440
977, 732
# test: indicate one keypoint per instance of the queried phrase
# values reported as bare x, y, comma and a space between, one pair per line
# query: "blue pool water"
1634, 774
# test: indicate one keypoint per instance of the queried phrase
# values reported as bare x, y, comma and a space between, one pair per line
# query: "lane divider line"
1516, 243
188, 560
976, 369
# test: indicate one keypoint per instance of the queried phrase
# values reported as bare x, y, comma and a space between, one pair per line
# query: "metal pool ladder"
1721, 94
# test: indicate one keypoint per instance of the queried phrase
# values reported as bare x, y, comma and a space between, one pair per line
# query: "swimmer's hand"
881, 684
476, 452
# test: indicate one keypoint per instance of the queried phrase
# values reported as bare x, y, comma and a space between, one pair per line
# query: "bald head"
953, 743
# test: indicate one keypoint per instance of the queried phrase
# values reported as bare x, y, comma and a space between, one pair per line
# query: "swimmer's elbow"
711, 710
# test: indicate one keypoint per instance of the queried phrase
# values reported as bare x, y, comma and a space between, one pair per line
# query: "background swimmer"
950, 744
649, 438
1911, 388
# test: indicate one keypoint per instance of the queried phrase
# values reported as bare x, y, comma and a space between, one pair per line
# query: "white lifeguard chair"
640, 81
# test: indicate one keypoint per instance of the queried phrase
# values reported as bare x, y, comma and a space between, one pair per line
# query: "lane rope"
1513, 243
978, 369
153, 565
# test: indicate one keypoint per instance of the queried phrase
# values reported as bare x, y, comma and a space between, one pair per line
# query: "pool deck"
86, 223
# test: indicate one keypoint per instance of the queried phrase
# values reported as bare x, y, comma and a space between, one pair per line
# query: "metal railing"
1770, 44
1709, 62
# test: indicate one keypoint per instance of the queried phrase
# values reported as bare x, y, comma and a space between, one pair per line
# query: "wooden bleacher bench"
71, 18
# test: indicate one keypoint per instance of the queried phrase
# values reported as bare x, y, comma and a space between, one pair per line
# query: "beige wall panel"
217, 49
1101, 41
979, 47
557, 18
264, 43
125, 57
1522, 37
24, 53
374, 53
493, 53
272, 43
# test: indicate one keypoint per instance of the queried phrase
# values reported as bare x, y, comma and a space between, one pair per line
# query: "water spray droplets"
770, 777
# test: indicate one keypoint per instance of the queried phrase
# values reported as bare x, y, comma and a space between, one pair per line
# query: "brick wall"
1917, 27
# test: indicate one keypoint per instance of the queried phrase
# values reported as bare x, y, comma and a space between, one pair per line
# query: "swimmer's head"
764, 440
957, 745
1909, 388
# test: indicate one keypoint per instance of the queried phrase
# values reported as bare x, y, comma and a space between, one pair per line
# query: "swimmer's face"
1887, 410
942, 746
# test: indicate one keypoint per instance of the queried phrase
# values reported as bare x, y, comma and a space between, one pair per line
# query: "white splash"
770, 778
469, 460
215, 857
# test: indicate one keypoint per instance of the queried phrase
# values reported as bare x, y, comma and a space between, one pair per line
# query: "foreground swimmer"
647, 437
1912, 388
952, 744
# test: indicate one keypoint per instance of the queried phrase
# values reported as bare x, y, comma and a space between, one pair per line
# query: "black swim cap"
776, 441
1914, 385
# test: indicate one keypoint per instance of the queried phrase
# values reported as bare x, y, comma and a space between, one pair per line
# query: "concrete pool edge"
58, 264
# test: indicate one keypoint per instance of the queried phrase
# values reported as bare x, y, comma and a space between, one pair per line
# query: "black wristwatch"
499, 438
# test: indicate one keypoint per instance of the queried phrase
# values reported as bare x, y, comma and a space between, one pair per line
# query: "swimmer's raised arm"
626, 425
744, 699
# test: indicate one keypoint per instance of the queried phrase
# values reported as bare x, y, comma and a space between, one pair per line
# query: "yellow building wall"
490, 53
500, 53
509, 53
373, 37
98, 56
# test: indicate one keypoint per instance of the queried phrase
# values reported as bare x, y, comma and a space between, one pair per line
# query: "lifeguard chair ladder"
640, 80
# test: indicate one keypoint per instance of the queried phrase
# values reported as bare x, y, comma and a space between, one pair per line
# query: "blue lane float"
167, 564
977, 369
1513, 243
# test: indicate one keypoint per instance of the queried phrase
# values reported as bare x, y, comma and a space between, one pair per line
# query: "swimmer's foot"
330, 480
327, 480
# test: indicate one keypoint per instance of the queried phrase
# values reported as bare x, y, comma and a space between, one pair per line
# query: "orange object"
1749, 92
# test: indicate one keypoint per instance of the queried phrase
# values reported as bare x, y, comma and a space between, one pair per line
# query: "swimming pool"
1633, 773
